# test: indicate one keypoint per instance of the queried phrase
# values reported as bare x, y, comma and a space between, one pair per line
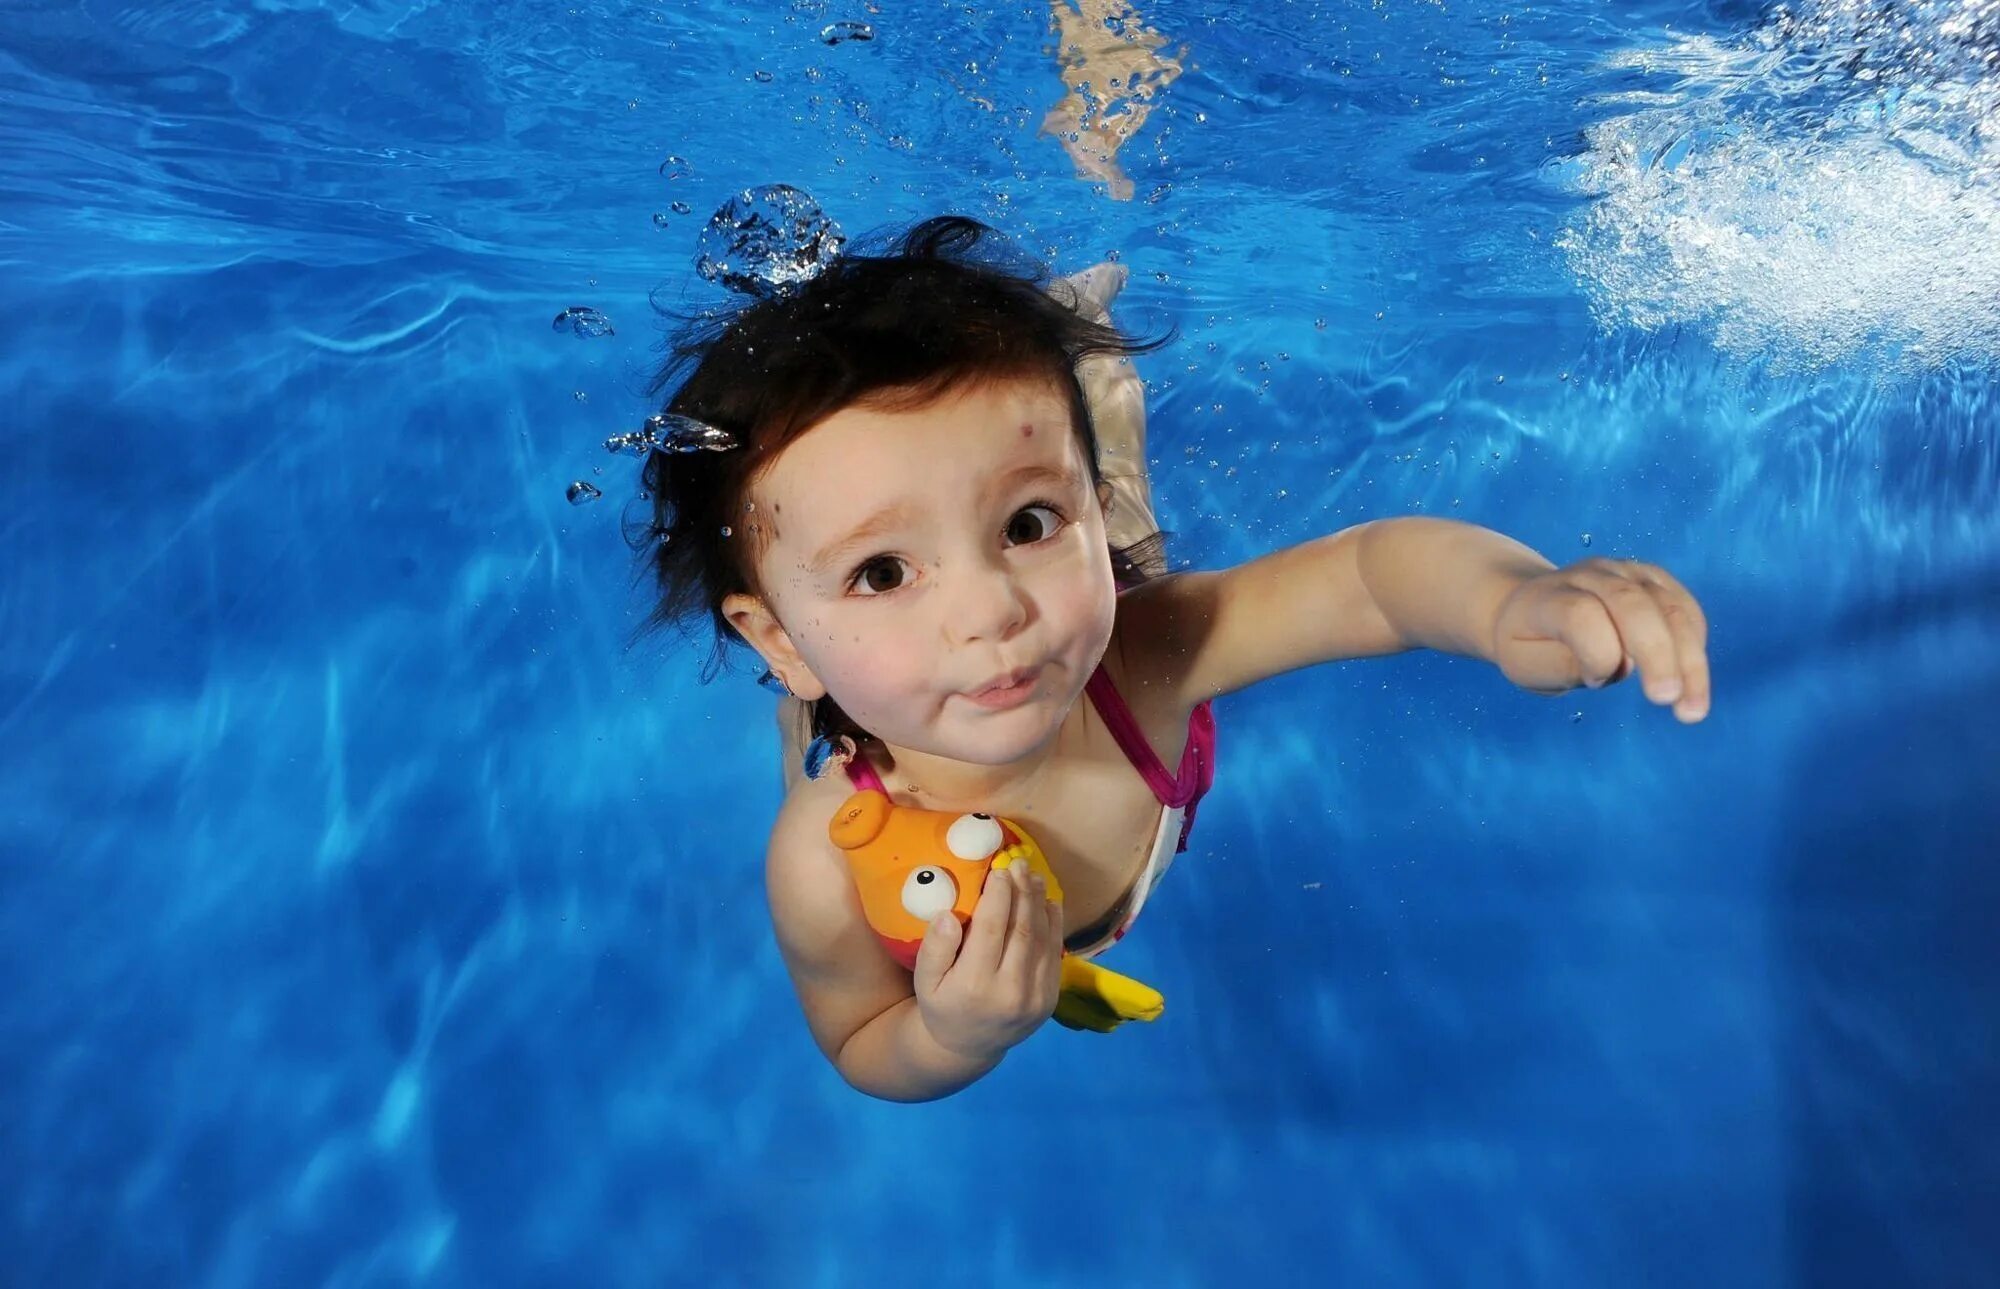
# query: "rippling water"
375, 915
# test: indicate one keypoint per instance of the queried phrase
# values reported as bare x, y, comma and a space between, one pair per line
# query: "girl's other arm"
1417, 582
858, 1003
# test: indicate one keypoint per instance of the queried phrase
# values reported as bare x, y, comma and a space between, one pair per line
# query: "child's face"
913, 557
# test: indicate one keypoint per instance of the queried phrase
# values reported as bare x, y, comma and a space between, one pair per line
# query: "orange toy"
912, 864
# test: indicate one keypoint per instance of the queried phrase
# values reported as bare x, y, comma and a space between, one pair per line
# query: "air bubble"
823, 753
667, 432
582, 492
841, 32
768, 240
584, 322
671, 433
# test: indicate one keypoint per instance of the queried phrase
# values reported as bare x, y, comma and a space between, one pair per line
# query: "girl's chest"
1097, 838
1095, 817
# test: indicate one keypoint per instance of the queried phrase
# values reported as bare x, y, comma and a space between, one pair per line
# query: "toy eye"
928, 892
973, 837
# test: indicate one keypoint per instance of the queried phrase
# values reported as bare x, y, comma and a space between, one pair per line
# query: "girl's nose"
989, 603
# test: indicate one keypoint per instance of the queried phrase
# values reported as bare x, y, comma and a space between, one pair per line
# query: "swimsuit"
1178, 794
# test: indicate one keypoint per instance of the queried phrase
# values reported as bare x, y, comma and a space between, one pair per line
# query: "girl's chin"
999, 738
989, 738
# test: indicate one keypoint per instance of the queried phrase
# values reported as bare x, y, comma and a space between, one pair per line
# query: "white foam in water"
1822, 190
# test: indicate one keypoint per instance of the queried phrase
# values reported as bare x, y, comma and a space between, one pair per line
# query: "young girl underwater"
915, 486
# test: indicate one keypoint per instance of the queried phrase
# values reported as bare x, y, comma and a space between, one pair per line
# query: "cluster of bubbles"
1822, 187
761, 242
1921, 41
669, 433
673, 169
764, 241
664, 432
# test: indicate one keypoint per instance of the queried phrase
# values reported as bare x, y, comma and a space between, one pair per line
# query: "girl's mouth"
1010, 690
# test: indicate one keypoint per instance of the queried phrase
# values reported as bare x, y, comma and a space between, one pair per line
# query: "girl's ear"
1104, 495
753, 620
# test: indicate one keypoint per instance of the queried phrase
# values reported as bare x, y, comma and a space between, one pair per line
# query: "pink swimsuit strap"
862, 775
1185, 789
1197, 768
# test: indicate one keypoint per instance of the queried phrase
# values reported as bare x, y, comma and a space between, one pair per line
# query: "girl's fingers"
1024, 935
1596, 622
992, 918
1574, 619
1678, 594
1641, 628
1690, 630
1051, 981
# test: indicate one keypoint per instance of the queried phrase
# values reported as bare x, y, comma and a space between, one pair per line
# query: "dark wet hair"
947, 306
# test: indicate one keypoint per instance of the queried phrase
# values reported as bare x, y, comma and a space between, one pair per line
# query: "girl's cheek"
869, 676
1091, 599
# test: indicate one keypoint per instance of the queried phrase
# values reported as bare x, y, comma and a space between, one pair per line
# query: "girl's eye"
1036, 529
885, 573
878, 576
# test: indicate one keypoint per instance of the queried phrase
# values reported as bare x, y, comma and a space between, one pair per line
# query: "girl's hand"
1117, 401
981, 998
1111, 386
1596, 621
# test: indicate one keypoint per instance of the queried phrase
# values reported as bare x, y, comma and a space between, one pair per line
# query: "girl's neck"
940, 783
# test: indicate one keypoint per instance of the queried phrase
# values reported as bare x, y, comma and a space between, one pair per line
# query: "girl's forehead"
861, 456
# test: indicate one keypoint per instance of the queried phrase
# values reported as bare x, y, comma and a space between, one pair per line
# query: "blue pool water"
371, 913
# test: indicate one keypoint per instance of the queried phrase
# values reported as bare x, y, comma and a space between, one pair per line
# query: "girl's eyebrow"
882, 521
891, 517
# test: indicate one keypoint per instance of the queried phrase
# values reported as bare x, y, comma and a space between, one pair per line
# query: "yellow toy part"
1098, 998
911, 864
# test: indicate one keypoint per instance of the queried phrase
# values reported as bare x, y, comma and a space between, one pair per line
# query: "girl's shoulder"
801, 861
1153, 640
836, 963
817, 798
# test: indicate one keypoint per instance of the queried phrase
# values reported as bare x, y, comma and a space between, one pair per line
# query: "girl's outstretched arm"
1417, 582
